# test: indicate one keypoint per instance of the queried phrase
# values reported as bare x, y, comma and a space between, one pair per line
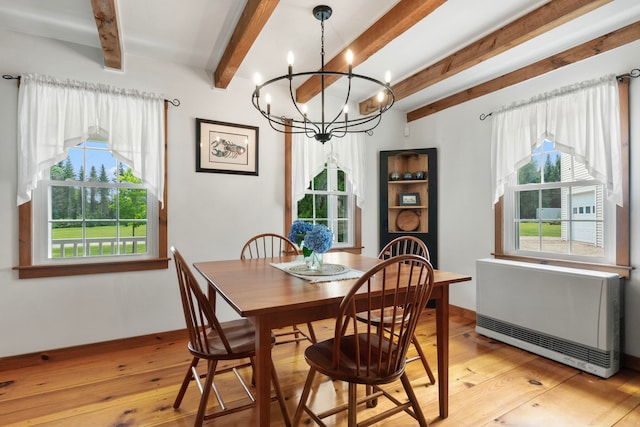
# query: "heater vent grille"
559, 345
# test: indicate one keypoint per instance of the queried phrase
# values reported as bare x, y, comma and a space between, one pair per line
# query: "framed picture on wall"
409, 199
226, 148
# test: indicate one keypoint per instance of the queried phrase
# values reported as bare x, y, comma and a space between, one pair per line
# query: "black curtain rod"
635, 73
175, 102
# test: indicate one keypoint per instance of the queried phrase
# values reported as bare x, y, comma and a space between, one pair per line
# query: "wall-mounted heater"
569, 315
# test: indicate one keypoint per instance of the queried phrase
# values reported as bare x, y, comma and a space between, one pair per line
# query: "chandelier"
324, 124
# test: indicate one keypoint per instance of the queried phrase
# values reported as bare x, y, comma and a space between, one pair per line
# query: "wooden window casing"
621, 266
27, 270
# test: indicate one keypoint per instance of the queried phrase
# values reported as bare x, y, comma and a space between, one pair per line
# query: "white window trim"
332, 208
509, 237
42, 237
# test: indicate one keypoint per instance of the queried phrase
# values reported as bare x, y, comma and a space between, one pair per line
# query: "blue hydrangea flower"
299, 230
319, 239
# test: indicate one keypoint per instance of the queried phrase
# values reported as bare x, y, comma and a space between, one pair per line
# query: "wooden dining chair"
213, 341
370, 355
400, 246
271, 245
268, 245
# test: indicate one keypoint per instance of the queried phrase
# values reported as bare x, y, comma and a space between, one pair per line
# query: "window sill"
621, 270
46, 270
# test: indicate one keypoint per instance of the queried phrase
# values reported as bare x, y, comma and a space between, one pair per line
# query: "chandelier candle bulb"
350, 60
268, 99
387, 77
290, 62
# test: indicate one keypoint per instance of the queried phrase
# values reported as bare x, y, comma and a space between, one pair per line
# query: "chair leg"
185, 382
280, 396
303, 398
423, 359
413, 399
312, 333
206, 389
353, 402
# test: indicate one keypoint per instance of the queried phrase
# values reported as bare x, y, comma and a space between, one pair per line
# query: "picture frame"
226, 147
409, 199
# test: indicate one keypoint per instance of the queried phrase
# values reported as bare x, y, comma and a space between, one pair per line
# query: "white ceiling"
195, 33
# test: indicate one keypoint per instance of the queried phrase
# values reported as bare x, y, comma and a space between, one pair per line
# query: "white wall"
464, 199
211, 215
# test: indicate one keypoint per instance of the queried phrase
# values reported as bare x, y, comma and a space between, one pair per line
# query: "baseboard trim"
40, 358
43, 357
631, 362
463, 312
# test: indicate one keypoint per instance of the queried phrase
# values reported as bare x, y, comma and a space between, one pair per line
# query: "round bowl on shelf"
408, 220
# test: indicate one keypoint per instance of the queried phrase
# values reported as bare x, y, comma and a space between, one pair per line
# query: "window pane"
321, 210
342, 178
320, 181
530, 173
66, 202
343, 206
341, 234
66, 239
305, 207
552, 167
528, 236
527, 204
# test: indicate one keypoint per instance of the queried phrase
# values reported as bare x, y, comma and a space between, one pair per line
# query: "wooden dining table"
272, 298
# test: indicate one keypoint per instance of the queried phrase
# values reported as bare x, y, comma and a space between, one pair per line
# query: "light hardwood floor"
491, 384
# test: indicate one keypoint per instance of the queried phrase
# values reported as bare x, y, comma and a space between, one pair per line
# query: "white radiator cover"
569, 315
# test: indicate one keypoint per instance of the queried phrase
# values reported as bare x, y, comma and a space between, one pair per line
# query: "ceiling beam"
106, 15
586, 50
533, 24
399, 19
254, 16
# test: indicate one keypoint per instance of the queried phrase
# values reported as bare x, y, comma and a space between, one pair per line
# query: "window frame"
332, 171
622, 213
28, 270
356, 248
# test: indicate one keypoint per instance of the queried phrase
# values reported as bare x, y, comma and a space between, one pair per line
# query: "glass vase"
314, 261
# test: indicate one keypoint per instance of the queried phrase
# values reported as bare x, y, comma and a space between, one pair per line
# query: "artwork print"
226, 148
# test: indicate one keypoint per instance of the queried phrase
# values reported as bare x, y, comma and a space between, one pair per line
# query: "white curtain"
56, 115
582, 120
308, 157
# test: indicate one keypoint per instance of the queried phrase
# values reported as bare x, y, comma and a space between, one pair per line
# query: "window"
109, 223
566, 219
550, 187
92, 206
328, 201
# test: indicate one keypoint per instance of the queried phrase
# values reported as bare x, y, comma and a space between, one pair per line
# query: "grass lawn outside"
548, 230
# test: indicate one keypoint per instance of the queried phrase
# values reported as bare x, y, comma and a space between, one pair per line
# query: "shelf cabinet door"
408, 196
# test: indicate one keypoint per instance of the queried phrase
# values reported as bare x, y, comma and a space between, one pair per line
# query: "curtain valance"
308, 157
56, 115
582, 120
